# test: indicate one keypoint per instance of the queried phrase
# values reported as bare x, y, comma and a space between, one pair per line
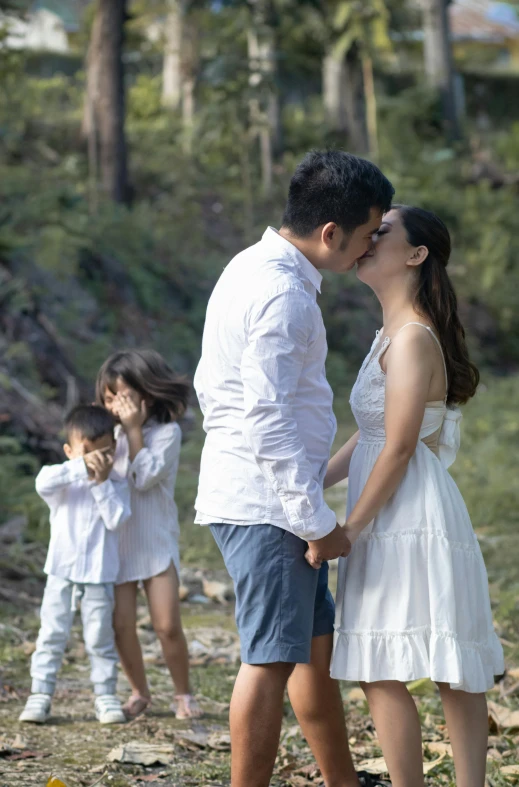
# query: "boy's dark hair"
90, 421
147, 372
334, 186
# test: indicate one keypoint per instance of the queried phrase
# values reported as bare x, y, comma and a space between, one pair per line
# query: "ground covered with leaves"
157, 749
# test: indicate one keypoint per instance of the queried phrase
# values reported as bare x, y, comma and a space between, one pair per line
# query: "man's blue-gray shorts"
281, 602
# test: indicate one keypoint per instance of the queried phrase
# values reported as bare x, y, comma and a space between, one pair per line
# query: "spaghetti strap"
431, 332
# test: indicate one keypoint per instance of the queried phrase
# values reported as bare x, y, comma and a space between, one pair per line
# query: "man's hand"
99, 465
335, 544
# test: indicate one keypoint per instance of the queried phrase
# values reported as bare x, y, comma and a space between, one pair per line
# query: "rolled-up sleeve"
280, 333
112, 498
153, 462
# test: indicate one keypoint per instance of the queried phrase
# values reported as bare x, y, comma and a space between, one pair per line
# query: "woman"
412, 598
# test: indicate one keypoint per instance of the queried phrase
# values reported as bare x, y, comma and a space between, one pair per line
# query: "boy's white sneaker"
109, 709
37, 709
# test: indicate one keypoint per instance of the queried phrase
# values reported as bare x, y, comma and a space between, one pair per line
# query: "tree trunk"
172, 64
343, 97
334, 78
189, 68
355, 101
264, 108
105, 104
371, 105
89, 125
439, 61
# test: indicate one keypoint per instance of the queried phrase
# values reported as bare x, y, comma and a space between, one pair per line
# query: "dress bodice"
440, 425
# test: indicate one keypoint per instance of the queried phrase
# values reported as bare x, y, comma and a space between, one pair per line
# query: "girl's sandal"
186, 707
135, 706
369, 780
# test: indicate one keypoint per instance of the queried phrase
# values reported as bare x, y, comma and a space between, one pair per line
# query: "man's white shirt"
84, 518
262, 387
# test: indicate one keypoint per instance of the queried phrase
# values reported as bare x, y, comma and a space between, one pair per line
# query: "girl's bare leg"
126, 639
467, 721
398, 728
164, 606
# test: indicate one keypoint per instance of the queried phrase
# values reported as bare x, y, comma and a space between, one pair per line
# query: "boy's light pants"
57, 614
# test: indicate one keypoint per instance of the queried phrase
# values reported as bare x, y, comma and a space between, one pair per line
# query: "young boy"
87, 506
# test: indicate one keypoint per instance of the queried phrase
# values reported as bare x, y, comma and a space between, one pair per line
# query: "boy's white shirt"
84, 518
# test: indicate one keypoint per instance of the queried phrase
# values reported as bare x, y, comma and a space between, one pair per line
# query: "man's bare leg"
256, 715
317, 703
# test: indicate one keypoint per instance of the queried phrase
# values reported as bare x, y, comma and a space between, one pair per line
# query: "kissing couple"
412, 598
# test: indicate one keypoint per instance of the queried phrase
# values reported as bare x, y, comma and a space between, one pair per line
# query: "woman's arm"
409, 372
339, 465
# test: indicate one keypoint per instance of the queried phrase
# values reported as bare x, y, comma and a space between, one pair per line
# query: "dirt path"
75, 748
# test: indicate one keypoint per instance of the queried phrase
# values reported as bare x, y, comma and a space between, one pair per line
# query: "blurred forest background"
144, 142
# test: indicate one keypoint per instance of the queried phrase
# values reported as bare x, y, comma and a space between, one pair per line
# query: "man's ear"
68, 451
329, 234
418, 256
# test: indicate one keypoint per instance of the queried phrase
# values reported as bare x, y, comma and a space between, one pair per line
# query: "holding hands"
335, 544
99, 464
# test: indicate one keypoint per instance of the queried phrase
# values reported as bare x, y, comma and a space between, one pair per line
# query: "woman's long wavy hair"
147, 372
436, 300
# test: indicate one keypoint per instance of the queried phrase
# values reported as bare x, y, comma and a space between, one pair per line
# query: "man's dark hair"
90, 421
334, 186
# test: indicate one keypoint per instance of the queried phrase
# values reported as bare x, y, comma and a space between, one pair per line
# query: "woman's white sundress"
412, 597
148, 541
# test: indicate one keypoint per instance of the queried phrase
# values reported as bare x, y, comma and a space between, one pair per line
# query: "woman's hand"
131, 415
339, 465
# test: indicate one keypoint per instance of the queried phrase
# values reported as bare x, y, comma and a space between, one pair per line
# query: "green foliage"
488, 466
108, 276
17, 496
507, 146
483, 220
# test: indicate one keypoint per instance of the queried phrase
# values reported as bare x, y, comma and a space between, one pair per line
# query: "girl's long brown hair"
436, 300
148, 373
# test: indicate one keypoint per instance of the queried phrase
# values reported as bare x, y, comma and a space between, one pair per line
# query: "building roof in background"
478, 20
69, 11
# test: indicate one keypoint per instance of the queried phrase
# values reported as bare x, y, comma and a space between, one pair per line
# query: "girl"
147, 399
412, 598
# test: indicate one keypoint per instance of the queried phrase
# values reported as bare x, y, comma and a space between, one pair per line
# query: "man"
269, 421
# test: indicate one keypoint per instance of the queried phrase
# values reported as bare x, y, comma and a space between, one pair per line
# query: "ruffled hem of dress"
405, 656
369, 537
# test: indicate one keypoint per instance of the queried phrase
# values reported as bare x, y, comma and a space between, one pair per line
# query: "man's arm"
280, 333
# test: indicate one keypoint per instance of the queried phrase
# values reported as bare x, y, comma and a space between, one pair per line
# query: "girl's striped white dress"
148, 542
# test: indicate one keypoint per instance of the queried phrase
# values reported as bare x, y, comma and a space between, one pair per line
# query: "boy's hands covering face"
99, 464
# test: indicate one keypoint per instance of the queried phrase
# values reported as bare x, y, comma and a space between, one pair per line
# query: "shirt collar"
304, 266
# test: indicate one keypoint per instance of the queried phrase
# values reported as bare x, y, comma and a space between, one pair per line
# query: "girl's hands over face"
132, 414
